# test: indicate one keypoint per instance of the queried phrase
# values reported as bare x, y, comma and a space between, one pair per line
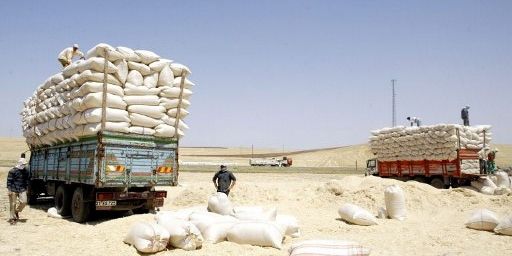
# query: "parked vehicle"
272, 161
107, 172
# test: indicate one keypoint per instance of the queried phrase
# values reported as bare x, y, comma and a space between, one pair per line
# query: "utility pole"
393, 121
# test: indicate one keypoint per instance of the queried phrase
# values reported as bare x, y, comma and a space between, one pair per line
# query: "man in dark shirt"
464, 114
224, 180
17, 184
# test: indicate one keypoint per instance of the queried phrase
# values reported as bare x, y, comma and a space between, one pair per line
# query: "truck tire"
437, 183
80, 209
63, 201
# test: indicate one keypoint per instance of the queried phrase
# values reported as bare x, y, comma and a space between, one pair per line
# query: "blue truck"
105, 172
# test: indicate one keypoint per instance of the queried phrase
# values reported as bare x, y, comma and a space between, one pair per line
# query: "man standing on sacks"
224, 180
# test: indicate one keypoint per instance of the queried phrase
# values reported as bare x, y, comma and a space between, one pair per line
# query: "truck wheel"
63, 201
437, 183
79, 207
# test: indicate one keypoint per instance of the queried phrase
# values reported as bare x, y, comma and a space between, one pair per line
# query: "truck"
272, 161
439, 174
106, 172
463, 165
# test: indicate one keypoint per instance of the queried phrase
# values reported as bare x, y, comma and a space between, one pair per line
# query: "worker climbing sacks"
395, 202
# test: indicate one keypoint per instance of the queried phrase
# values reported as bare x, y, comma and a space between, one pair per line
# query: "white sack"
135, 78
93, 115
487, 190
219, 203
52, 212
94, 100
158, 65
148, 100
172, 122
150, 81
177, 69
143, 69
257, 215
92, 87
395, 202
122, 70
187, 84
183, 234
93, 76
203, 220
356, 215
504, 226
173, 112
256, 233
97, 64
147, 57
174, 92
173, 103
482, 219
164, 130
141, 130
128, 54
288, 223
328, 248
147, 237
91, 129
100, 49
166, 77
144, 121
151, 111
502, 179
130, 89
217, 232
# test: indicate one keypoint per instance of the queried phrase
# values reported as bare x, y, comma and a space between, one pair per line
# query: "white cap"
75, 46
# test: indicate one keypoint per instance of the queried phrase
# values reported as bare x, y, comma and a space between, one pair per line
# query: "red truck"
439, 174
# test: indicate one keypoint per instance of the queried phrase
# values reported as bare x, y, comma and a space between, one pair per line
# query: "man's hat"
75, 46
222, 166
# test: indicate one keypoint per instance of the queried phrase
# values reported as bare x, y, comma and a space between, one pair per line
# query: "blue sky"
292, 74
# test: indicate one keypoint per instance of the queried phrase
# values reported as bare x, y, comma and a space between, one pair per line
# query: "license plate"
106, 203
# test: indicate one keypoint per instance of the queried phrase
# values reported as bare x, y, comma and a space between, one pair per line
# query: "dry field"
434, 225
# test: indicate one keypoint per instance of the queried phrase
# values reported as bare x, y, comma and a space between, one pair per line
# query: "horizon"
293, 74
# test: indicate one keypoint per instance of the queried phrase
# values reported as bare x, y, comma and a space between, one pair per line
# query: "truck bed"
109, 160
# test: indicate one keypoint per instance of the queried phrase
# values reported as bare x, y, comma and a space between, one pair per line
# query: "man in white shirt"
66, 56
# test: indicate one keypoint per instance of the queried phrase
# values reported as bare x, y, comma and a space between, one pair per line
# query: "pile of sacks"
394, 199
498, 184
143, 97
188, 228
435, 142
484, 219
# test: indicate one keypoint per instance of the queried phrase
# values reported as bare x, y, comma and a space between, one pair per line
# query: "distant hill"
343, 156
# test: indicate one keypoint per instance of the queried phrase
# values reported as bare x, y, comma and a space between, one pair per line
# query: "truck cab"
371, 167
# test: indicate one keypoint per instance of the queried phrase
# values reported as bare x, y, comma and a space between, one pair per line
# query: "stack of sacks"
436, 142
143, 92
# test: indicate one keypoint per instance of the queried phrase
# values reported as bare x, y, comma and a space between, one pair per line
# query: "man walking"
66, 56
224, 180
17, 184
464, 114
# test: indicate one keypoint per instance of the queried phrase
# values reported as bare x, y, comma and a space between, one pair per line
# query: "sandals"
12, 221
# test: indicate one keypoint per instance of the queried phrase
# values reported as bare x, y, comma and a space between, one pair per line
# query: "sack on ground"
147, 237
395, 202
482, 219
328, 248
356, 215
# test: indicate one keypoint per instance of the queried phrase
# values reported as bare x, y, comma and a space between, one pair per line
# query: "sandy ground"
434, 226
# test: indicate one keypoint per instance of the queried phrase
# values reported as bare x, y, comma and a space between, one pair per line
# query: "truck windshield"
370, 163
